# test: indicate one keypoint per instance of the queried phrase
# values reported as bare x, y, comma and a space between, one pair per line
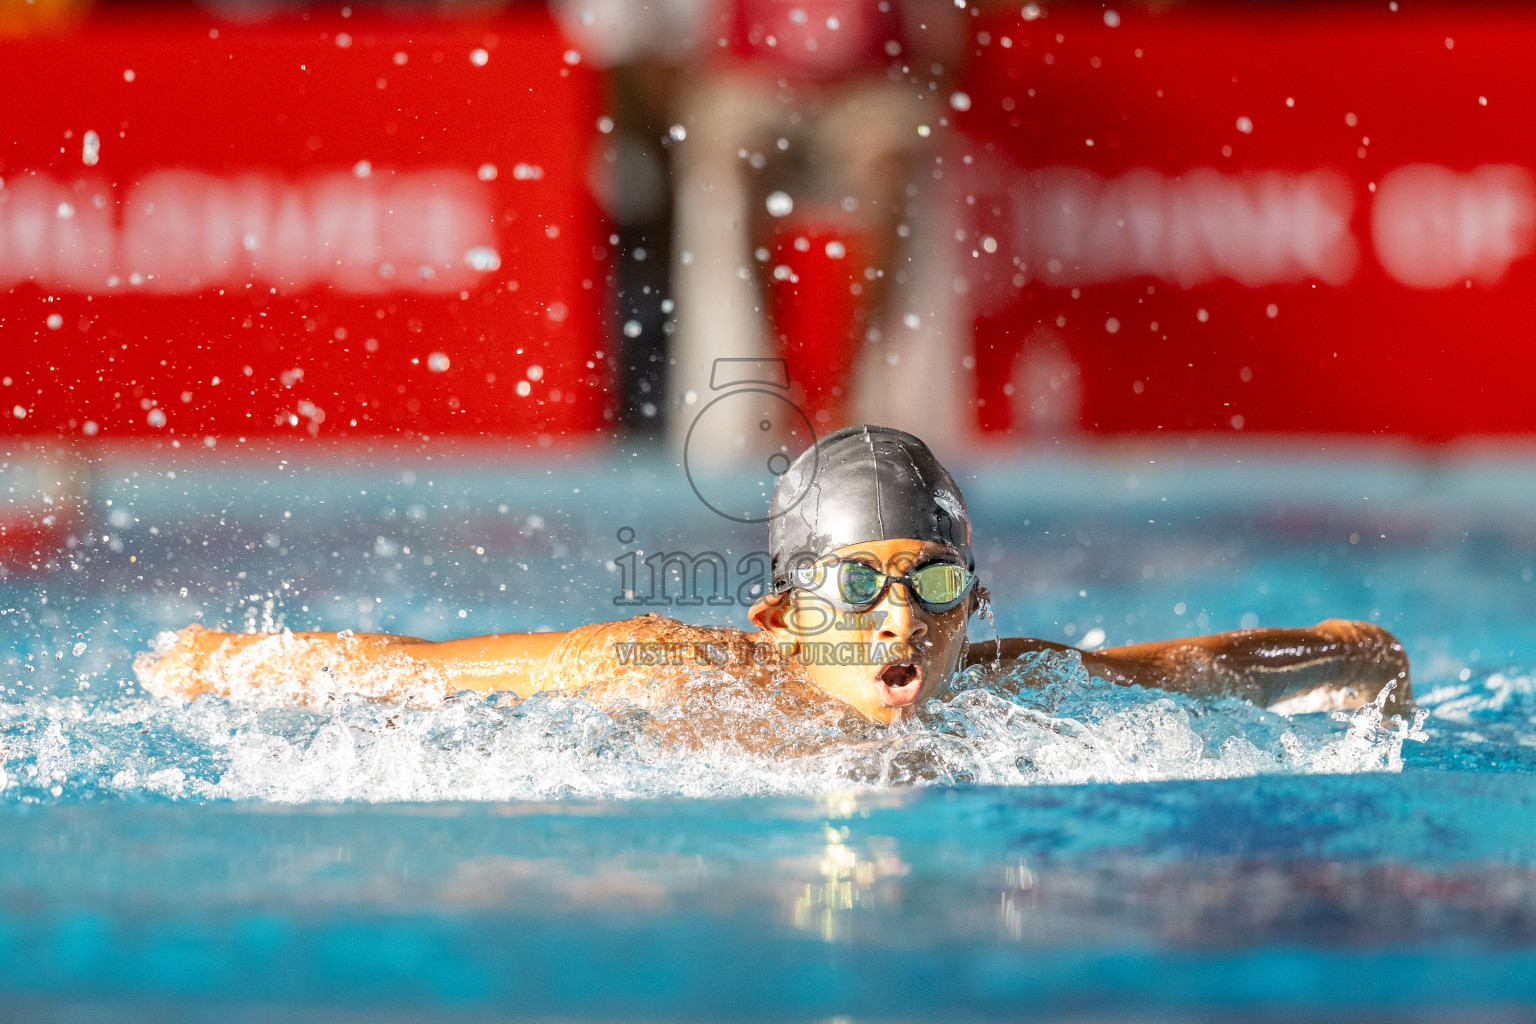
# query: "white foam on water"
724, 740
1497, 693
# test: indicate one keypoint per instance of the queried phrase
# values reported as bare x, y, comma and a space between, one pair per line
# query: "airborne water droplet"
483, 258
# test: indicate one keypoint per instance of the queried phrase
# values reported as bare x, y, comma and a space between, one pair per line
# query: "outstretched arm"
1334, 664
311, 666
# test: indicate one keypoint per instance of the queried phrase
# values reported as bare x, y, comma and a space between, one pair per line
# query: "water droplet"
487, 172
780, 204
959, 101
437, 362
156, 418
362, 168
632, 329
90, 149
836, 250
55, 321
483, 258
479, 58
79, 648
677, 132
535, 372
1112, 19
1245, 125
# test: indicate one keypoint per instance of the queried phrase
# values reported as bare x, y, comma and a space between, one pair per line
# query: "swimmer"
874, 582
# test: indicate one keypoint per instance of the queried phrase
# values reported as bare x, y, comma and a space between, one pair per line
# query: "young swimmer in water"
874, 582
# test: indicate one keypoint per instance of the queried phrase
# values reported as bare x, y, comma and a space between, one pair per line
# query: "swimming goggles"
854, 586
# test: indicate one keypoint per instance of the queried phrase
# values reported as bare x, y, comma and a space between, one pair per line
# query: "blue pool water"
1077, 853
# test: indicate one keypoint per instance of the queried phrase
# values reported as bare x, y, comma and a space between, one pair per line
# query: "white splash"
1073, 730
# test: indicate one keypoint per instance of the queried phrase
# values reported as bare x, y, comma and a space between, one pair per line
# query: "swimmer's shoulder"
988, 652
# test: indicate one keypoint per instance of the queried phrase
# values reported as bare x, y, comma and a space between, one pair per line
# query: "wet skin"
893, 657
910, 653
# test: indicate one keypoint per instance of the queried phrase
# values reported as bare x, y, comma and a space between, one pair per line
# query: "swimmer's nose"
897, 622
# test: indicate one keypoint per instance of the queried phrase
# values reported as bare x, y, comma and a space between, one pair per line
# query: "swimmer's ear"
770, 613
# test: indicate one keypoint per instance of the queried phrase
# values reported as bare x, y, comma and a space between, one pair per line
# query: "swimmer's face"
891, 656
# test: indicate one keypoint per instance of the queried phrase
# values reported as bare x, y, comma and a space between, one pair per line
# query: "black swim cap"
859, 484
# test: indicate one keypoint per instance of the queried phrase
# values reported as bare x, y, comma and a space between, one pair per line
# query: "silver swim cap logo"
949, 503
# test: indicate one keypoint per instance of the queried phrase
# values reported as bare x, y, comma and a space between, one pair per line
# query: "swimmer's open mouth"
900, 683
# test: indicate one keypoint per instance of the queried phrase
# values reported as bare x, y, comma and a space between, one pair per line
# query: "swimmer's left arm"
309, 666
1335, 664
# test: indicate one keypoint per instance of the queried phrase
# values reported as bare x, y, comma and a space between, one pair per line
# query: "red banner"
1253, 217
326, 225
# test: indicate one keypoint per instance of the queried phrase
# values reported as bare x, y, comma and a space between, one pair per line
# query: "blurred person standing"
798, 130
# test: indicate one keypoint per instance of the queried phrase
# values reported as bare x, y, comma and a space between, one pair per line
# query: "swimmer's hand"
170, 669
1337, 664
303, 668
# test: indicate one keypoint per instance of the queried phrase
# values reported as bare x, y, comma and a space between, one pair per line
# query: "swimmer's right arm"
311, 666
